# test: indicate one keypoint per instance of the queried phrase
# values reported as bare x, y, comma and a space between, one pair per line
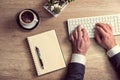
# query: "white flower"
57, 5
52, 8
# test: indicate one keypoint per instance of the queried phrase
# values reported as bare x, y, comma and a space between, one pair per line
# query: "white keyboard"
89, 23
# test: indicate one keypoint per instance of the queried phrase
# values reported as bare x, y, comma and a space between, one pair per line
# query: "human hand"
104, 37
80, 40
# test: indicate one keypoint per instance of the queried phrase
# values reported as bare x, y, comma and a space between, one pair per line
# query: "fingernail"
78, 27
83, 29
95, 27
96, 24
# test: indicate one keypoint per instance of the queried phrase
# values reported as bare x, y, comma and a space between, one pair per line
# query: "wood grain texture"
15, 58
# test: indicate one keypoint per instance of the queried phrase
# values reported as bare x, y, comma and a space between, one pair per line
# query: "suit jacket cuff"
78, 58
112, 52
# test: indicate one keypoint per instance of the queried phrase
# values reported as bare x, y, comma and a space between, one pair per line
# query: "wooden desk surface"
15, 58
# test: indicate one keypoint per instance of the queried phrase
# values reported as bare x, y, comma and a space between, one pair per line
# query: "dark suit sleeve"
75, 71
115, 60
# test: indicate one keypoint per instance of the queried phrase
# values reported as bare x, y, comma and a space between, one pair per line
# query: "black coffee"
27, 17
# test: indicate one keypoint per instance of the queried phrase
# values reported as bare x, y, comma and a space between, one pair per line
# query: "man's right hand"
104, 37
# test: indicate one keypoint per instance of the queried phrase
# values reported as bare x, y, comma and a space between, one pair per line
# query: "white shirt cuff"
78, 58
112, 52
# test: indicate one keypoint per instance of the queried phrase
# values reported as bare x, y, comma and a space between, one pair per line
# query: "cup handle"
36, 20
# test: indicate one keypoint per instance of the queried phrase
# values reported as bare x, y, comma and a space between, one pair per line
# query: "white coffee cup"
28, 19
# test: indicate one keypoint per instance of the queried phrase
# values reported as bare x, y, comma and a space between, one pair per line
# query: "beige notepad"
50, 52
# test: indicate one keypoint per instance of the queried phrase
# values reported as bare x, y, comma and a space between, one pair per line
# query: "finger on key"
103, 26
